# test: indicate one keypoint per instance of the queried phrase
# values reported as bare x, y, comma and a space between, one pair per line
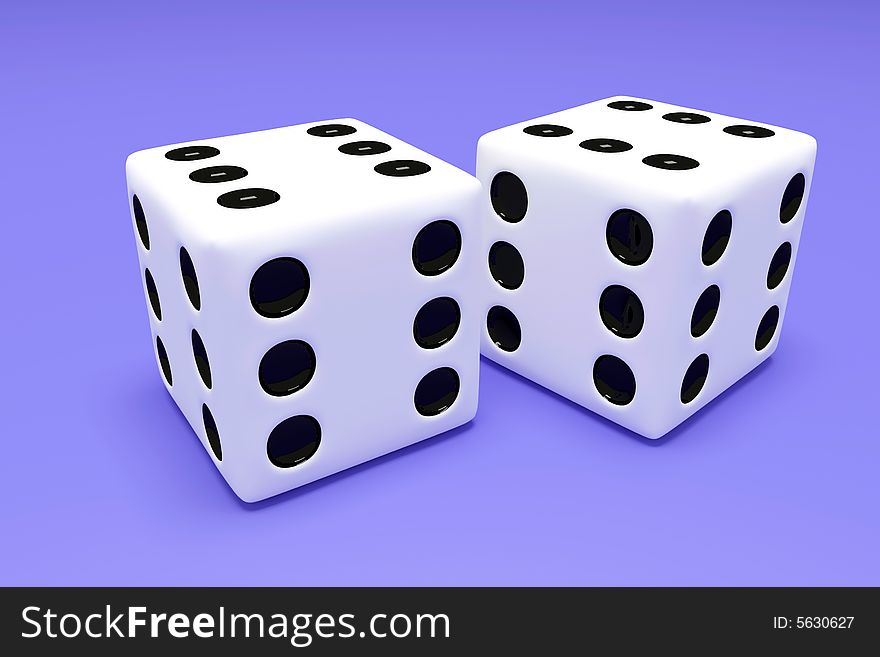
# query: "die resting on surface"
309, 295
638, 256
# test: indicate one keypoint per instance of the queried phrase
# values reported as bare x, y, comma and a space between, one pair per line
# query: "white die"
566, 196
294, 350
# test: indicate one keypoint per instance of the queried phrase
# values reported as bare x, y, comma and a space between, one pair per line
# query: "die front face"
638, 255
309, 291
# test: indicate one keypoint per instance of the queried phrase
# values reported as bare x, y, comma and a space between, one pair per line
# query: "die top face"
292, 180
672, 151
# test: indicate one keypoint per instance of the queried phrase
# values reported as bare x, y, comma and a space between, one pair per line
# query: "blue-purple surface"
103, 482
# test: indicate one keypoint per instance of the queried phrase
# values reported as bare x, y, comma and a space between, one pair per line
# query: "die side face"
628, 273
333, 324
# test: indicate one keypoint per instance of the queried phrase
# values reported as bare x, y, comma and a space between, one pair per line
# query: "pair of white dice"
319, 294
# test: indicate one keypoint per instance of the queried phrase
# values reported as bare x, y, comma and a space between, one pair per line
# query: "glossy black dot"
436, 247
251, 197
211, 432
437, 391
436, 322
750, 131
792, 197
402, 168
279, 287
192, 153
509, 197
606, 145
779, 265
164, 363
671, 162
218, 174
364, 148
766, 328
287, 367
201, 357
630, 105
614, 380
694, 378
621, 311
705, 310
331, 130
716, 238
504, 329
294, 441
506, 265
687, 118
629, 237
190, 280
153, 294
547, 130
140, 222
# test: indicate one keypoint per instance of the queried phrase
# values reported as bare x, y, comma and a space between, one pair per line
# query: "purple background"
102, 480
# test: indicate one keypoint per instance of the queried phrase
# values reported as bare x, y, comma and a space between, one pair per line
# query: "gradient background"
102, 480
